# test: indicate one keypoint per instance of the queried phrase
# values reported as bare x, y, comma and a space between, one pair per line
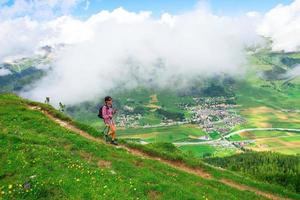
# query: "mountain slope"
42, 160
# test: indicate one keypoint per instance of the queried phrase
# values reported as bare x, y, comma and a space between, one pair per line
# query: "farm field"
163, 134
267, 117
252, 135
284, 144
276, 141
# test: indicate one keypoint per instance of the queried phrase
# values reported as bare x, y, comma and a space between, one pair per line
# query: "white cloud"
282, 25
22, 37
4, 72
253, 14
19, 37
128, 48
67, 30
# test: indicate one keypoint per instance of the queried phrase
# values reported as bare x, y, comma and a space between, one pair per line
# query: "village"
212, 114
132, 121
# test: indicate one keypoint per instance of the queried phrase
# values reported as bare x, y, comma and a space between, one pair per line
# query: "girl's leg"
112, 128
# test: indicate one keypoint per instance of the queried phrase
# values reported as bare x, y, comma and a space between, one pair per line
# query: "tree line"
270, 167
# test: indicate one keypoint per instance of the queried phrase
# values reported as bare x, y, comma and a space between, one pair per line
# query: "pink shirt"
107, 114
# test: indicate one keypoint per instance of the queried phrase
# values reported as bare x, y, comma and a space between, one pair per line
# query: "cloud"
126, 48
281, 24
294, 72
122, 48
22, 37
4, 72
26, 25
19, 36
253, 14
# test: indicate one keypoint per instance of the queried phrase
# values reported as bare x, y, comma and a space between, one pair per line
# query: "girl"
107, 113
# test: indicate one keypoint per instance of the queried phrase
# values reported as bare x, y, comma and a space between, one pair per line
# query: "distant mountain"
24, 71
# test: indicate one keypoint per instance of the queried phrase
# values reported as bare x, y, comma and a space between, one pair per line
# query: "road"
261, 129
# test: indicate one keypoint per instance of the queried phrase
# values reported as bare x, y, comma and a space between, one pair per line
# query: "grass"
42, 160
192, 161
277, 141
199, 150
214, 135
163, 134
205, 150
286, 145
249, 135
267, 117
250, 93
295, 138
268, 166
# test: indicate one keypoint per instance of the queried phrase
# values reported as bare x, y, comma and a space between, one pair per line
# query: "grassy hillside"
41, 160
23, 72
18, 80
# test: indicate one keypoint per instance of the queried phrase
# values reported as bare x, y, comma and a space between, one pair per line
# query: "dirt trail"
173, 164
247, 188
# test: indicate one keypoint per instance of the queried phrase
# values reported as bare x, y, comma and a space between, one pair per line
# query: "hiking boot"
114, 142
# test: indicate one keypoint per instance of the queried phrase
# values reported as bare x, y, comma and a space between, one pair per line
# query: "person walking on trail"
107, 114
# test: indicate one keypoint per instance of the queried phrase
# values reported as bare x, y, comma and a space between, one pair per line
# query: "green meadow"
248, 135
175, 133
42, 160
207, 150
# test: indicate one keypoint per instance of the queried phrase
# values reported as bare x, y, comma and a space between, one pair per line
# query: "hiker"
107, 114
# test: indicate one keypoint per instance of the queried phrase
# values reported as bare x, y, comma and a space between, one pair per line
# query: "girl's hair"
107, 98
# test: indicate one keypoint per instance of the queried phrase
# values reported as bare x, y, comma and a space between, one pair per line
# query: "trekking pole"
105, 134
104, 129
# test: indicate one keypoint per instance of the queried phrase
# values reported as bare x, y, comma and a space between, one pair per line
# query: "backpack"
100, 111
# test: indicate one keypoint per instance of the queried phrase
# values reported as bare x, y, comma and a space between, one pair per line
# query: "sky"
109, 43
85, 8
227, 7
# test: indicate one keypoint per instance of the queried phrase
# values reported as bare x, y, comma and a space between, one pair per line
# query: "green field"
199, 150
207, 150
163, 134
248, 135
277, 141
285, 145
